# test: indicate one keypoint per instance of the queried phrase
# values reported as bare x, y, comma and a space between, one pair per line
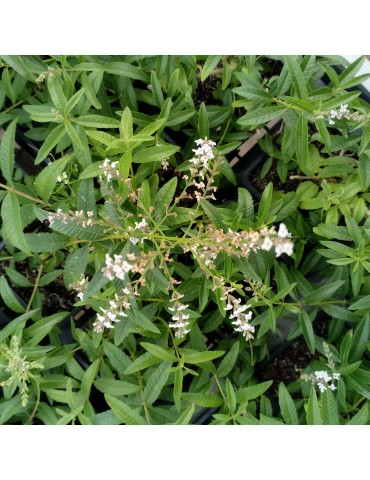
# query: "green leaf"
177, 118
46, 180
50, 142
89, 377
287, 408
177, 387
203, 399
89, 91
245, 203
230, 393
97, 121
156, 90
307, 329
265, 204
332, 231
7, 152
165, 195
156, 382
92, 170
11, 327
323, 131
186, 416
362, 416
17, 278
364, 170
339, 100
203, 123
12, 229
75, 264
313, 413
126, 414
250, 393
296, 75
73, 101
56, 92
228, 362
213, 213
302, 144
50, 277
43, 327
208, 67
73, 135
9, 298
114, 387
154, 154
126, 70
126, 125
144, 361
356, 381
194, 357
363, 303
323, 292
329, 408
159, 352
45, 242
261, 115
361, 337
351, 71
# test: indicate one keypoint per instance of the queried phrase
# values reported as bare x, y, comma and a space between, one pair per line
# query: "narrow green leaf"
302, 144
364, 170
156, 382
313, 413
307, 329
156, 90
97, 121
261, 115
154, 154
45, 242
228, 362
323, 131
50, 142
208, 67
203, 122
12, 229
43, 327
56, 92
89, 91
245, 203
213, 213
186, 416
46, 180
323, 292
159, 352
250, 393
9, 298
126, 125
329, 408
73, 101
363, 303
126, 414
7, 152
11, 327
265, 203
126, 70
296, 75
356, 381
287, 408
194, 357
114, 387
144, 361
362, 416
204, 399
17, 278
361, 337
73, 135
89, 377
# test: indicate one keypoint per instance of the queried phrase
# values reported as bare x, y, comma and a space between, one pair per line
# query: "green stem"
22, 194
35, 287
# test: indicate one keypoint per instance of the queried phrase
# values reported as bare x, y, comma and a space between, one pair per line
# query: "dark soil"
272, 176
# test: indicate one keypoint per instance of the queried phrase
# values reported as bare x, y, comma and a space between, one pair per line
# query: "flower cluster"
179, 318
115, 268
111, 314
343, 112
110, 169
80, 286
63, 178
322, 378
202, 169
242, 319
141, 226
18, 367
240, 243
77, 216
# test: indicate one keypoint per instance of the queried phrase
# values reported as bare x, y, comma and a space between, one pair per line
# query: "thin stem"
35, 287
36, 404
22, 194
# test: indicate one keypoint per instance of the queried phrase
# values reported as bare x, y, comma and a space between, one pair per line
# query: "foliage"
127, 204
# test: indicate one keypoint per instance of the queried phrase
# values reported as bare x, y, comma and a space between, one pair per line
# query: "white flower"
115, 268
110, 169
